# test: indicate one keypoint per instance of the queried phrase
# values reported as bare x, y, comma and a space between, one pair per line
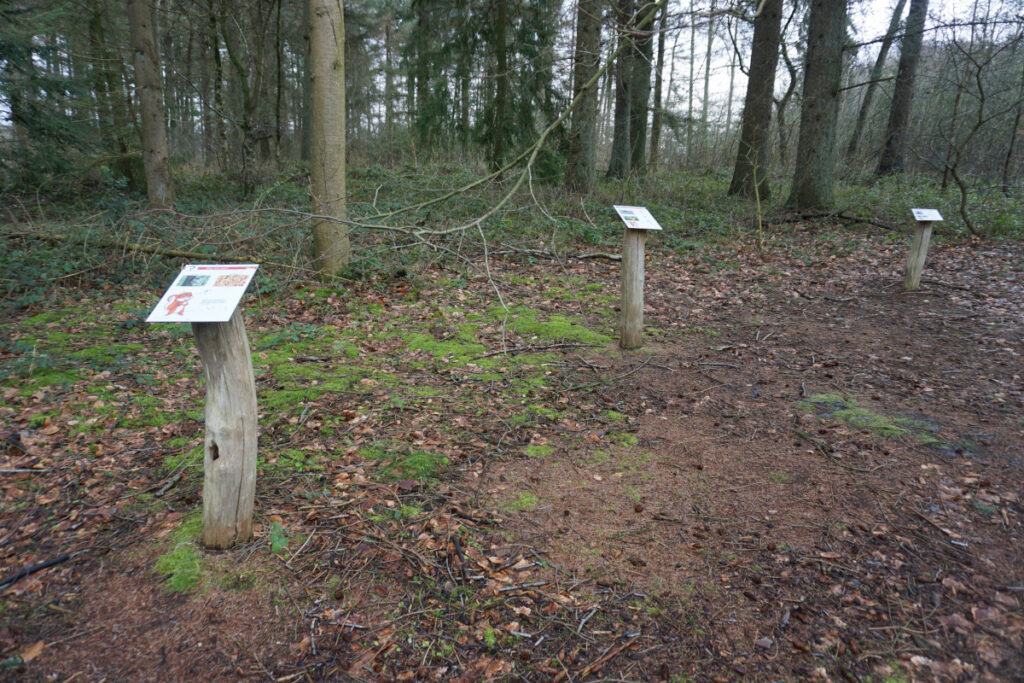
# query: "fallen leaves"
33, 651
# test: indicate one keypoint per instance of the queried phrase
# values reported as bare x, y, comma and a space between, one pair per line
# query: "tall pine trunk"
153, 131
331, 248
903, 90
499, 127
656, 113
580, 159
618, 165
689, 96
750, 175
819, 111
389, 86
640, 92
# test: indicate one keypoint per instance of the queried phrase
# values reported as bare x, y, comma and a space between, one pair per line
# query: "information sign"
926, 215
637, 218
205, 293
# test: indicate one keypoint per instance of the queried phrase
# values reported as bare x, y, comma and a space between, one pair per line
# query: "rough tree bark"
618, 165
657, 115
819, 111
640, 92
148, 86
331, 248
750, 176
903, 90
580, 159
501, 85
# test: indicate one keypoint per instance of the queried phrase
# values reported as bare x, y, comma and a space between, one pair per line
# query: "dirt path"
825, 478
805, 473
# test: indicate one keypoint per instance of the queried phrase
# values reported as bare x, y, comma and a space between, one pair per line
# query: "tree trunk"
1018, 111
706, 102
689, 97
331, 249
819, 111
782, 103
159, 188
205, 87
110, 95
279, 90
873, 78
903, 90
499, 126
656, 114
607, 96
580, 161
218, 88
640, 91
618, 165
168, 58
732, 84
389, 86
305, 151
750, 176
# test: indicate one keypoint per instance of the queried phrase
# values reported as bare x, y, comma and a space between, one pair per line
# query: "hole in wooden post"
214, 451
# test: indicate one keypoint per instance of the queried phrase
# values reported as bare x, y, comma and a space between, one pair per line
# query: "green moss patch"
539, 450
292, 460
528, 323
458, 351
846, 410
624, 439
523, 502
397, 463
183, 564
192, 459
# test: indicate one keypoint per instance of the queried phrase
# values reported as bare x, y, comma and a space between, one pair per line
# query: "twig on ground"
638, 368
32, 569
586, 671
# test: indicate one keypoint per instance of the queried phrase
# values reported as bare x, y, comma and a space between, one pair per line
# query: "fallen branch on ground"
32, 569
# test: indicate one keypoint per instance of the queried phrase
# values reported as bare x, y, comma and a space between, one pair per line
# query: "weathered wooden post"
638, 221
919, 247
207, 296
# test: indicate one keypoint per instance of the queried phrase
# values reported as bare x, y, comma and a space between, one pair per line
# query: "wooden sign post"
207, 296
919, 247
638, 221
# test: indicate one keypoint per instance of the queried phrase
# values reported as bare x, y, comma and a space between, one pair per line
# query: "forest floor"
804, 473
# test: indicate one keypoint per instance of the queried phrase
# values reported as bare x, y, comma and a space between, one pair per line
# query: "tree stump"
229, 460
632, 288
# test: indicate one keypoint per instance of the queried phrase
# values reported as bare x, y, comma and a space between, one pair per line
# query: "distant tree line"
653, 84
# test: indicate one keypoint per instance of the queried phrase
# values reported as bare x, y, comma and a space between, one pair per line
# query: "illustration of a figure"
176, 303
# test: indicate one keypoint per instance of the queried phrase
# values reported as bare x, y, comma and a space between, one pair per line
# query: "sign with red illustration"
207, 293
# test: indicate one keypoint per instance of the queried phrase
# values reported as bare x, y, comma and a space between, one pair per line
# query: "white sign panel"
203, 294
637, 218
923, 215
